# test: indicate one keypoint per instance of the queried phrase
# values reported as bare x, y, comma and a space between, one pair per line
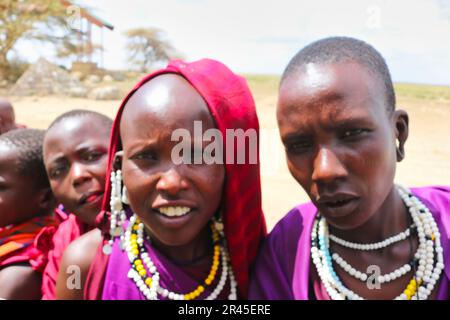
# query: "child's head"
24, 187
7, 116
75, 157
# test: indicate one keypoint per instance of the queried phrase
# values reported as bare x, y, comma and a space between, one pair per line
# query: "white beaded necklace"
429, 255
151, 292
373, 246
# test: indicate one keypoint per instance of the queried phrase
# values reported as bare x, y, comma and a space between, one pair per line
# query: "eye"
353, 133
93, 156
298, 147
56, 172
144, 155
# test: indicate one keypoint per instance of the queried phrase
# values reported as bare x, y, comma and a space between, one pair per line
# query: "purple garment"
282, 269
118, 286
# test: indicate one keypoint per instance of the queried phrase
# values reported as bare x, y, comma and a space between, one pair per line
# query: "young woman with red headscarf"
192, 230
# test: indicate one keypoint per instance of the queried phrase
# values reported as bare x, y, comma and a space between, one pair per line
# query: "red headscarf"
232, 107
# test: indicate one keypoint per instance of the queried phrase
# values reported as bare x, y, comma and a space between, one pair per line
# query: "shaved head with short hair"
7, 116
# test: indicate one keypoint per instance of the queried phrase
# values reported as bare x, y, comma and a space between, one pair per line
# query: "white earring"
125, 195
118, 215
218, 225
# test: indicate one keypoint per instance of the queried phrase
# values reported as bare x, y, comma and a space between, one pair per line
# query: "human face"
340, 140
153, 181
75, 156
19, 199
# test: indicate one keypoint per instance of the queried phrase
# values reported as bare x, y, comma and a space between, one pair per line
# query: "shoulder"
291, 225
433, 192
67, 232
274, 267
437, 198
82, 250
20, 281
75, 265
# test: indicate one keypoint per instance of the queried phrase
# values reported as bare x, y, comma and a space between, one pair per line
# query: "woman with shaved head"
361, 236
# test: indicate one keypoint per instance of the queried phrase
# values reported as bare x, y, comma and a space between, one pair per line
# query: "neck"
391, 218
190, 253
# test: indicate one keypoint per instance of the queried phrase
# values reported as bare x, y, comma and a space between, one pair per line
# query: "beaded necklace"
146, 276
429, 257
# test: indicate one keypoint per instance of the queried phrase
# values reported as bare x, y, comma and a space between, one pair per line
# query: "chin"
349, 222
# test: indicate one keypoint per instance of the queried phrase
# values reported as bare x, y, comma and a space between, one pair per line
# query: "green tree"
147, 46
43, 20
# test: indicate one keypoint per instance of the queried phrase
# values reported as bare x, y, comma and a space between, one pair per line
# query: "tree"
70, 48
29, 19
147, 46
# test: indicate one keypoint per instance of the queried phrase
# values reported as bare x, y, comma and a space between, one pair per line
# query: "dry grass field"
427, 151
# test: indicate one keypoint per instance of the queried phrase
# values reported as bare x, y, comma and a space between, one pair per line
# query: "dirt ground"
427, 151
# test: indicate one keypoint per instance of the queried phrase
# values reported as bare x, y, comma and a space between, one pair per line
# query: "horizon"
409, 35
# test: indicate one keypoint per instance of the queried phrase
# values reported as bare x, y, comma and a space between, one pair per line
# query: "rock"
44, 78
105, 93
117, 75
78, 92
108, 78
77, 75
92, 79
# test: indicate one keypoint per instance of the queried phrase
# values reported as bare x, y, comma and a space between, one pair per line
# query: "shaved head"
7, 117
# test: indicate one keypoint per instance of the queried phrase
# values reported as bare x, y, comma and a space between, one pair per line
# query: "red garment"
68, 231
231, 105
20, 243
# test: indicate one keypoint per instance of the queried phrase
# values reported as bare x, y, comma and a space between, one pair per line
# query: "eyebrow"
334, 124
84, 147
346, 122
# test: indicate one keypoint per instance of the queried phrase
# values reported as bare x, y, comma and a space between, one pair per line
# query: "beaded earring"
118, 215
125, 195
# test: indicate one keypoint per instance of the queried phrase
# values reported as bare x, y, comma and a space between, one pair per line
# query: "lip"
90, 198
338, 204
174, 203
176, 221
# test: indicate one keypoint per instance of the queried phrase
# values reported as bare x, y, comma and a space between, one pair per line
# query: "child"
26, 208
193, 230
7, 117
75, 157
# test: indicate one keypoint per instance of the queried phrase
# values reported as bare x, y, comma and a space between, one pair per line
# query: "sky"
260, 36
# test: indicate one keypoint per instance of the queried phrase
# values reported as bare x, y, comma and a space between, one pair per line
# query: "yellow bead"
408, 293
135, 252
142, 273
148, 281
208, 281
201, 289
135, 227
139, 267
186, 297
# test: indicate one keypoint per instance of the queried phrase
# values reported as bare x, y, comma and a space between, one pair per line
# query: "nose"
79, 175
327, 167
171, 182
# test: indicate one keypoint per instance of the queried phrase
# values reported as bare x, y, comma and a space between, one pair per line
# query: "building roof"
90, 17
